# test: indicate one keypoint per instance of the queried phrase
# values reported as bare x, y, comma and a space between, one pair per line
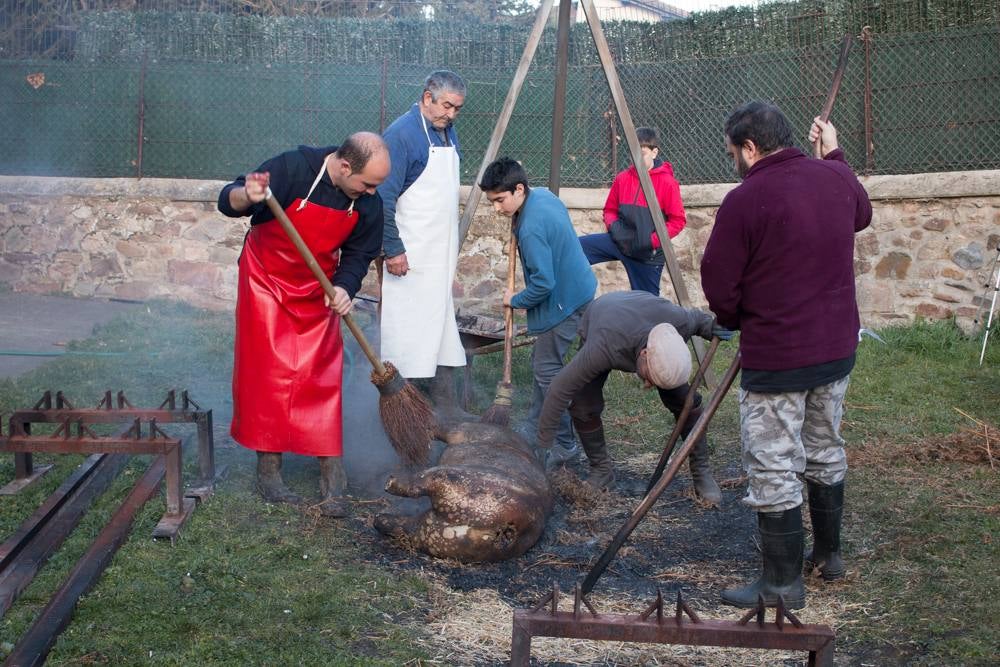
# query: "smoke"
148, 349
369, 457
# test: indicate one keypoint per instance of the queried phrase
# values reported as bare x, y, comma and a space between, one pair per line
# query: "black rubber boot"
332, 484
781, 541
269, 482
602, 471
826, 509
701, 473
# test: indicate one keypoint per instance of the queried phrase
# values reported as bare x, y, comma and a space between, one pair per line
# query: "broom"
406, 415
499, 412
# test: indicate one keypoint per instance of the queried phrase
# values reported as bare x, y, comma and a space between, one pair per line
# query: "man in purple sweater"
779, 266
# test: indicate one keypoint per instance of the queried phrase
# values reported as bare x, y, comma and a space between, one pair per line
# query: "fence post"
141, 117
609, 115
866, 37
382, 84
559, 96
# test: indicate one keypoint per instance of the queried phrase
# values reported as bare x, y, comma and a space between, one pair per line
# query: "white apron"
418, 329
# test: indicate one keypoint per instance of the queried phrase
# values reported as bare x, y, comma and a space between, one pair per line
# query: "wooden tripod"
558, 115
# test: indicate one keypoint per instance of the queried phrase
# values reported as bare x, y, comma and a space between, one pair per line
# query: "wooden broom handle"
508, 316
317, 270
831, 97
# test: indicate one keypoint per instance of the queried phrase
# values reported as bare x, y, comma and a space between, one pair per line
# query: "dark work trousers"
548, 356
673, 400
588, 404
599, 248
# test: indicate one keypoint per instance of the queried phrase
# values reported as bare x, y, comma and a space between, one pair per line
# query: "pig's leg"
409, 486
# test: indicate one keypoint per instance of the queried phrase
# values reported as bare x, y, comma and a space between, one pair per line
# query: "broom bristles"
498, 414
407, 417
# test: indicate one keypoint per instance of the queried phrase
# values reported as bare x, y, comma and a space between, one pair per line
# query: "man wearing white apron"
419, 334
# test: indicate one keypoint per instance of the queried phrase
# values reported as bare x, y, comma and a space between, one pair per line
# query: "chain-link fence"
212, 95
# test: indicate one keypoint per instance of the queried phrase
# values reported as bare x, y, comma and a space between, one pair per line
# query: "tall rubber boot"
332, 484
602, 471
826, 509
701, 472
269, 482
781, 541
445, 398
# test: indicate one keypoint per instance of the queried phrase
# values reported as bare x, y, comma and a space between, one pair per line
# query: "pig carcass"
489, 497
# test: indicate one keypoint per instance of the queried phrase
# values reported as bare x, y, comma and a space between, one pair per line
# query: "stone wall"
929, 251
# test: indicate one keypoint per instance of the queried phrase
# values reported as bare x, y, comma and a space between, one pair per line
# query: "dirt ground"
681, 545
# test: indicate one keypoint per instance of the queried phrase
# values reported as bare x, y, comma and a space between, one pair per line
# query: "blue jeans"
548, 358
599, 248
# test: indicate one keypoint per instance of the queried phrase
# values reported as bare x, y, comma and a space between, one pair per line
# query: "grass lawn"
252, 583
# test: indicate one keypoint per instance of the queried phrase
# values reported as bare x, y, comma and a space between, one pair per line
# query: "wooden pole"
618, 95
699, 429
472, 201
831, 96
559, 96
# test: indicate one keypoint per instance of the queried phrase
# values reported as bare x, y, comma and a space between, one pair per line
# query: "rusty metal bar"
178, 510
656, 605
699, 429
26, 472
175, 482
35, 443
206, 447
35, 644
682, 607
188, 401
104, 416
668, 449
133, 441
33, 524
44, 534
45, 401
114, 410
23, 466
818, 640
170, 402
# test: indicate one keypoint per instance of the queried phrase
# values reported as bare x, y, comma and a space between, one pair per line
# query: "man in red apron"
419, 334
288, 357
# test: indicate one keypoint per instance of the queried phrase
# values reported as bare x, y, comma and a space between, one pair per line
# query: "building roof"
665, 11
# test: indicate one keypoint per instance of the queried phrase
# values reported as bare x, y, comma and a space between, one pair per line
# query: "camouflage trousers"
790, 435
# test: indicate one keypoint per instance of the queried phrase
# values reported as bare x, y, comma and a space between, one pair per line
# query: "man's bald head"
362, 164
359, 148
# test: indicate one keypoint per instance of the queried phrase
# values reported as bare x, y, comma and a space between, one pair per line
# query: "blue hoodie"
558, 279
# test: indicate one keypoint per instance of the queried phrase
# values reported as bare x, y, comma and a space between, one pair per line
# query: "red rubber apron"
289, 353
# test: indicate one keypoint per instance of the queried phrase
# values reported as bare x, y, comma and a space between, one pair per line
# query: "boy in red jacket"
631, 237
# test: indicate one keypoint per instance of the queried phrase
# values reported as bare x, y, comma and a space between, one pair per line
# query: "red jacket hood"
663, 167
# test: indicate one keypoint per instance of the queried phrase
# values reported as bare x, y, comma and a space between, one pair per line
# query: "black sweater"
292, 175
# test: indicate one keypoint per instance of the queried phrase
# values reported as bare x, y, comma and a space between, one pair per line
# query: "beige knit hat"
667, 356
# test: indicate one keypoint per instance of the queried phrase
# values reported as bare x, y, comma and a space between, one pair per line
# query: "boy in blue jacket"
558, 281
